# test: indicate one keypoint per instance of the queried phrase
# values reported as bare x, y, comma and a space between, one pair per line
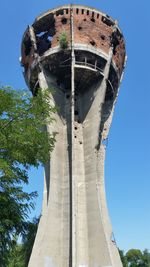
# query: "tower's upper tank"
92, 31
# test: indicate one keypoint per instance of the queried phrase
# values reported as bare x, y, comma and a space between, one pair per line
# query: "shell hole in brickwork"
59, 12
103, 37
64, 21
84, 20
87, 12
67, 11
107, 21
79, 28
92, 19
97, 16
93, 43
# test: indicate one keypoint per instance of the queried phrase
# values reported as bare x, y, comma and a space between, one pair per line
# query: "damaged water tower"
80, 53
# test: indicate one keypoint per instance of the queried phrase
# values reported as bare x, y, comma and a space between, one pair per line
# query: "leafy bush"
63, 40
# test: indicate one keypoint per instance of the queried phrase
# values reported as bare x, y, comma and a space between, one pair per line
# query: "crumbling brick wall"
90, 27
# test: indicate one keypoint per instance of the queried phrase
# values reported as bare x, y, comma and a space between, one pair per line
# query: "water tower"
80, 53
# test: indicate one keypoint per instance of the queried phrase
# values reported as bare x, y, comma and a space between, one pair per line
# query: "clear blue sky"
128, 151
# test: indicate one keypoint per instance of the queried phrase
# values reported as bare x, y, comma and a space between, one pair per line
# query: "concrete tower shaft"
74, 230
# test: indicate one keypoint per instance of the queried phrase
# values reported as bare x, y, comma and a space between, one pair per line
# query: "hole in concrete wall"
103, 37
77, 10
75, 136
87, 12
97, 16
107, 21
76, 112
59, 12
82, 11
92, 43
75, 128
92, 19
79, 28
64, 20
80, 143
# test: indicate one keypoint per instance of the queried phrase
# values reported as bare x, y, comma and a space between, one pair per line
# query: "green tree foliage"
123, 258
15, 257
63, 40
146, 258
23, 144
28, 240
135, 258
19, 254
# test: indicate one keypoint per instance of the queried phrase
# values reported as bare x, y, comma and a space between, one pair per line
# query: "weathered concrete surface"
93, 232
74, 229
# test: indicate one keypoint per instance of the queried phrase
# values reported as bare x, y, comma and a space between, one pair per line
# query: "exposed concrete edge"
82, 47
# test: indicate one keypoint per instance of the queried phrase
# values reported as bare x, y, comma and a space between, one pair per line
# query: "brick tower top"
92, 34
